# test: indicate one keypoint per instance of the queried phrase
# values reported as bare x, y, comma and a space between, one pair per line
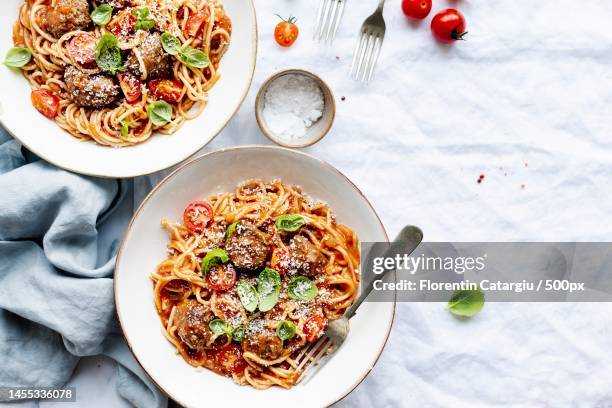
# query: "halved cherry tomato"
131, 86
448, 26
196, 21
314, 327
286, 32
224, 22
122, 24
45, 102
280, 261
221, 277
230, 358
82, 48
197, 216
167, 90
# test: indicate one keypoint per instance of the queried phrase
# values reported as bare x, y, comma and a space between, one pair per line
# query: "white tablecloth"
526, 101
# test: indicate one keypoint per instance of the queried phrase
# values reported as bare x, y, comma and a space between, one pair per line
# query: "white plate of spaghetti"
229, 269
120, 88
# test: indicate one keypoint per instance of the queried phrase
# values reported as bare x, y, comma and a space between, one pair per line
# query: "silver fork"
369, 45
313, 358
328, 20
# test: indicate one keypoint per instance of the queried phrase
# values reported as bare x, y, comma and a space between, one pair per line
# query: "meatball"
192, 319
66, 16
156, 62
247, 247
90, 91
262, 341
304, 257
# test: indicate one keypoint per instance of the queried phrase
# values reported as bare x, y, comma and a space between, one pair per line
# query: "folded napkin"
57, 253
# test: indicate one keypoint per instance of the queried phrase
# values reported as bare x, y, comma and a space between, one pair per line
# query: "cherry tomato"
131, 86
286, 32
280, 261
224, 22
167, 90
197, 216
230, 358
314, 327
448, 26
122, 24
418, 9
45, 102
221, 277
82, 48
196, 21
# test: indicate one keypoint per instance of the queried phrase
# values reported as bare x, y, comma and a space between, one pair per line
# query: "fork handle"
381, 4
406, 242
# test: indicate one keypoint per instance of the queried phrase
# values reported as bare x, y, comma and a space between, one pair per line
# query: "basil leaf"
214, 257
238, 334
102, 14
268, 289
302, 288
219, 327
17, 57
230, 230
193, 57
248, 295
160, 113
285, 330
108, 54
466, 303
289, 222
170, 43
143, 22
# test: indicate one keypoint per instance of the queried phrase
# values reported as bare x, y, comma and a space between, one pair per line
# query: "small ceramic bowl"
314, 133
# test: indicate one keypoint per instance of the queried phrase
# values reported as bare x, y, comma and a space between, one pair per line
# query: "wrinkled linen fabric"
524, 101
59, 233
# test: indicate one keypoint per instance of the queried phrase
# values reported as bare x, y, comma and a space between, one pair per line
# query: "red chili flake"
480, 178
343, 98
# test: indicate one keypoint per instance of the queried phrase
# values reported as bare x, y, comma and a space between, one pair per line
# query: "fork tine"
325, 18
314, 350
318, 20
375, 54
368, 58
313, 368
337, 24
357, 55
332, 18
364, 58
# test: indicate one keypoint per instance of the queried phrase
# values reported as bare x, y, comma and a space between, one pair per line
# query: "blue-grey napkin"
59, 233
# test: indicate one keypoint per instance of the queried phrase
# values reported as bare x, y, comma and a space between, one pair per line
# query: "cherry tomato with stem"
418, 9
286, 32
448, 26
197, 216
45, 102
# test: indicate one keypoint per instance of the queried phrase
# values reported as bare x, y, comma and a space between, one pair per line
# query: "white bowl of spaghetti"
120, 88
163, 284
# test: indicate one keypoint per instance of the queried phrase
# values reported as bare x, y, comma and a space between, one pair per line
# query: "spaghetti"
112, 108
252, 278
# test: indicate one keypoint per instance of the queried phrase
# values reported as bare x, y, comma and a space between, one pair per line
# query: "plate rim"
182, 159
197, 159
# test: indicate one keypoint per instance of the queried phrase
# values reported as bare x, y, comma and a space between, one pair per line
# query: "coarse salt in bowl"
295, 108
